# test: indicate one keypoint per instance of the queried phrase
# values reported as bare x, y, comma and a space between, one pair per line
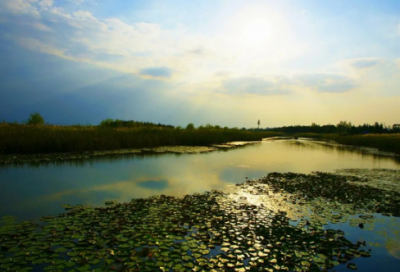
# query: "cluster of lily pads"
201, 232
336, 189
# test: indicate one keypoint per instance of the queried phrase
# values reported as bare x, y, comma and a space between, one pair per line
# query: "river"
29, 192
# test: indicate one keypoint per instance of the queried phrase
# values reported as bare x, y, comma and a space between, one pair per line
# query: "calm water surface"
30, 192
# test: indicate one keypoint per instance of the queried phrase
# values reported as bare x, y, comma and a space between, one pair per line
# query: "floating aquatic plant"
202, 232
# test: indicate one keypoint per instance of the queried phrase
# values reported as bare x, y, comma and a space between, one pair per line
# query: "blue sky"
221, 62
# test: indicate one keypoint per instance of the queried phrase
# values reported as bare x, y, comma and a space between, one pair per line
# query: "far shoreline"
18, 159
10, 159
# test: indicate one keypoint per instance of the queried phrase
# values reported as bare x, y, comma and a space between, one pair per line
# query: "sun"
255, 38
255, 31
254, 27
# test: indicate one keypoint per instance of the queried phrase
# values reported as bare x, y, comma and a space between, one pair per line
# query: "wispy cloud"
82, 36
198, 51
363, 63
325, 82
274, 85
19, 7
36, 45
79, 2
255, 85
157, 72
45, 4
80, 31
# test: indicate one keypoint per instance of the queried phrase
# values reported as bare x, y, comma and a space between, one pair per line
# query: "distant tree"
106, 122
35, 119
314, 125
258, 123
190, 126
344, 126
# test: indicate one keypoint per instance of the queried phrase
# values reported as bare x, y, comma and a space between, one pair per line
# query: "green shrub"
35, 119
190, 126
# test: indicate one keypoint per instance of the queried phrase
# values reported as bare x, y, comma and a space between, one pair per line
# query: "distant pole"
258, 123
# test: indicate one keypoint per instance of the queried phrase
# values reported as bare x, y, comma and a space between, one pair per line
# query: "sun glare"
255, 31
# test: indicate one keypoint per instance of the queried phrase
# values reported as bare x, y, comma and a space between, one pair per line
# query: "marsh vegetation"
28, 139
383, 142
35, 137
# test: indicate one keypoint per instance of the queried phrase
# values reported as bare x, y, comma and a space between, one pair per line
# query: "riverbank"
284, 221
27, 143
383, 142
332, 144
70, 156
46, 139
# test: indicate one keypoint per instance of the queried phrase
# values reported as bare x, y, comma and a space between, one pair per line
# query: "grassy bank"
383, 142
29, 139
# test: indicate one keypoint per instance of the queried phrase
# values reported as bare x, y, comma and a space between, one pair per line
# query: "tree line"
343, 127
129, 124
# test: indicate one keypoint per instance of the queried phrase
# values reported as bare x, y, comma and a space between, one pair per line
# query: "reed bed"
383, 142
30, 139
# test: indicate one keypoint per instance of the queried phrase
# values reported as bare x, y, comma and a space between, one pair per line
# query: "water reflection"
82, 162
332, 147
154, 184
31, 191
393, 248
306, 208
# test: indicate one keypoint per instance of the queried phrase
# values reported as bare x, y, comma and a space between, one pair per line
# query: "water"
383, 241
30, 192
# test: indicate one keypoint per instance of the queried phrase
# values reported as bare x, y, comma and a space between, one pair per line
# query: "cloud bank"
316, 82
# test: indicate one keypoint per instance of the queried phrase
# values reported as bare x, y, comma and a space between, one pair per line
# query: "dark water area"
382, 240
31, 191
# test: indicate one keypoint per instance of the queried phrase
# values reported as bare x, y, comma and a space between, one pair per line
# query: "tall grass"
383, 142
29, 139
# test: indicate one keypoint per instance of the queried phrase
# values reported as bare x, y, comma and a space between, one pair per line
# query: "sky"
222, 62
